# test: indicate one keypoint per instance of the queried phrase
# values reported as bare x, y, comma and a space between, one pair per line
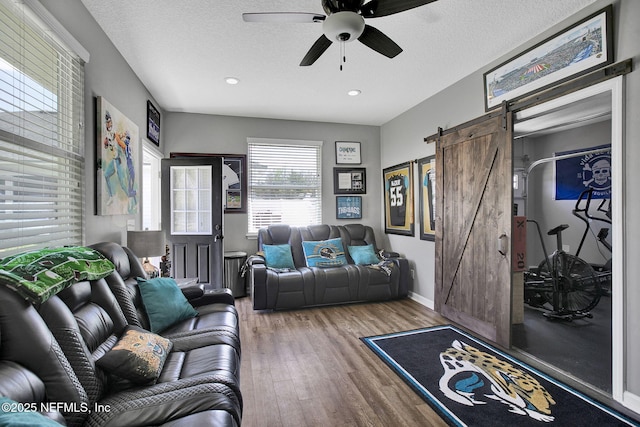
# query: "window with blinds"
285, 183
41, 139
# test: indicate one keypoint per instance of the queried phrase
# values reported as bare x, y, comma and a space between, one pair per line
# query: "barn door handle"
502, 244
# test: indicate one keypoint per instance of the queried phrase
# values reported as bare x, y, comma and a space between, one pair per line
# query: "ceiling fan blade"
378, 8
284, 17
316, 50
376, 40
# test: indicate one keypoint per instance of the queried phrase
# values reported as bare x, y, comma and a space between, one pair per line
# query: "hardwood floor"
309, 368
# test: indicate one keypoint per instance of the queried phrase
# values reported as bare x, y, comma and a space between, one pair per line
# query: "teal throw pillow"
324, 253
164, 302
14, 414
278, 256
139, 356
363, 255
37, 275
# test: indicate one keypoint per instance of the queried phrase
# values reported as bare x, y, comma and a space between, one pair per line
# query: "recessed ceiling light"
354, 92
232, 80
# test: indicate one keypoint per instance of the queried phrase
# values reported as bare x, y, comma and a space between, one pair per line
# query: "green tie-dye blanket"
37, 275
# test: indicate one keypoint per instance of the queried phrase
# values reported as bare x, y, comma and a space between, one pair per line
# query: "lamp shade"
146, 243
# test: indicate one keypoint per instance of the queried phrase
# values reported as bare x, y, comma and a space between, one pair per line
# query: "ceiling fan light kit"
345, 22
343, 26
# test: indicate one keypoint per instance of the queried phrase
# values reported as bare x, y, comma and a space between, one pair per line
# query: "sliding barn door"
473, 226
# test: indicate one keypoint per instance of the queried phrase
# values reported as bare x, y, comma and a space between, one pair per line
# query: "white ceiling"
183, 50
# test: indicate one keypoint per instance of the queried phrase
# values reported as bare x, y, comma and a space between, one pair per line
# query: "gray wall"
107, 74
402, 139
228, 135
463, 101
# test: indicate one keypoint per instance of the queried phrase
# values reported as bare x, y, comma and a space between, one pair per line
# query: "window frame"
283, 144
41, 131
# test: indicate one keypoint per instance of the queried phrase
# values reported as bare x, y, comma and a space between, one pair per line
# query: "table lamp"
147, 244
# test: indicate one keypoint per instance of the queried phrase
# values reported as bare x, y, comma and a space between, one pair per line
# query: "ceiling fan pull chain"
343, 54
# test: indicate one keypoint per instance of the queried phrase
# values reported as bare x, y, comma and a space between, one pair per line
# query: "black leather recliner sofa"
48, 354
305, 286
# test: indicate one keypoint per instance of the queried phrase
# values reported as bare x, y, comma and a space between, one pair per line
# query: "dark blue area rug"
470, 383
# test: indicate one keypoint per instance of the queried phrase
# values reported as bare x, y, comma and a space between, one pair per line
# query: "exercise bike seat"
557, 229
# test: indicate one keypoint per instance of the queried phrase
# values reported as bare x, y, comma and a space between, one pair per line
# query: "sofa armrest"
255, 259
405, 281
388, 254
193, 292
258, 283
214, 296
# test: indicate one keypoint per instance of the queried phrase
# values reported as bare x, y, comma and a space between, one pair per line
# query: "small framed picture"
348, 153
153, 123
349, 207
349, 181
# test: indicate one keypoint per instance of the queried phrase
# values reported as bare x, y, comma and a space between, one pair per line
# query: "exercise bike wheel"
578, 284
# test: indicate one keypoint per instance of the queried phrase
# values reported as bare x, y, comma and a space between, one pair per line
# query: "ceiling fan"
343, 23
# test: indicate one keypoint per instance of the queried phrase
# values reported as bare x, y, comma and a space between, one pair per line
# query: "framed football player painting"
117, 183
398, 199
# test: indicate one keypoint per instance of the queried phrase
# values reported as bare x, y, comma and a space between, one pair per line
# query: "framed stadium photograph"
427, 195
398, 199
576, 50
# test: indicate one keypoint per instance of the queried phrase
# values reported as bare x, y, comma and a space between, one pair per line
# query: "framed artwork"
234, 179
153, 123
117, 152
581, 48
349, 207
348, 153
234, 183
398, 199
427, 194
349, 181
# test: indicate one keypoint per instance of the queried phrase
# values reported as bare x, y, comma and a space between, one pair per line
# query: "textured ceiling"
183, 50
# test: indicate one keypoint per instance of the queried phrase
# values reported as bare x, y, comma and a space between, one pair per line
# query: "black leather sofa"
306, 286
49, 354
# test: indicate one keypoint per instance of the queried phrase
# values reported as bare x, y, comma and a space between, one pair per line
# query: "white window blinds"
41, 137
285, 183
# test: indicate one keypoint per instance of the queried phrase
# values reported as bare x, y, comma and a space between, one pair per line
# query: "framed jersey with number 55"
398, 199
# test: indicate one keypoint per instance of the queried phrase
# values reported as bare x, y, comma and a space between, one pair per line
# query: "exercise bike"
563, 286
603, 214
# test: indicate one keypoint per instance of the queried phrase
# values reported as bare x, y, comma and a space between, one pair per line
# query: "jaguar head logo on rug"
465, 370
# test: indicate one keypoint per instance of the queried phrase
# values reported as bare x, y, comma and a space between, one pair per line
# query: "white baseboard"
631, 401
422, 300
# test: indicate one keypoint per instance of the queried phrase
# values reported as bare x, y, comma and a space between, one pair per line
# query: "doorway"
192, 218
589, 349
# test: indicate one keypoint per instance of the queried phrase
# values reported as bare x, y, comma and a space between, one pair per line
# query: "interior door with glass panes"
192, 217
